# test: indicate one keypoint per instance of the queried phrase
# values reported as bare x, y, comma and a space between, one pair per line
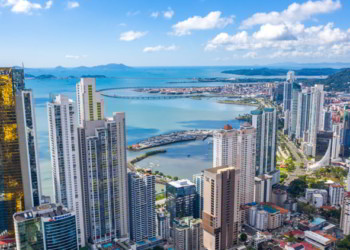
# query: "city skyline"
147, 34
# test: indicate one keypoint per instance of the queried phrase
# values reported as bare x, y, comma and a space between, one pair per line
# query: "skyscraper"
181, 199
315, 122
345, 214
63, 142
90, 105
336, 141
304, 107
102, 146
19, 168
346, 135
48, 226
142, 207
237, 148
287, 92
221, 212
188, 233
198, 181
296, 88
265, 123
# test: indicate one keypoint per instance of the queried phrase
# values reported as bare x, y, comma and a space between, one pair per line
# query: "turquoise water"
145, 118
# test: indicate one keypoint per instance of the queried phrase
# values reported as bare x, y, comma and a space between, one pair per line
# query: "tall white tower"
90, 105
63, 141
238, 148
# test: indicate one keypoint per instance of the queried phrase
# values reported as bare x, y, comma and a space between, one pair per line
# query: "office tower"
345, 214
346, 134
221, 211
296, 89
263, 188
315, 122
237, 148
188, 233
19, 168
336, 194
327, 120
26, 128
181, 199
104, 171
163, 224
63, 142
303, 113
279, 93
324, 147
286, 121
198, 181
48, 226
142, 206
336, 141
265, 123
90, 105
287, 92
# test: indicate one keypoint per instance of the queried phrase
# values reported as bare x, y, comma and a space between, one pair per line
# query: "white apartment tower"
104, 172
237, 148
345, 215
90, 105
63, 142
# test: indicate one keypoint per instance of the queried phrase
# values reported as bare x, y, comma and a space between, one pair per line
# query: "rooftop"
45, 210
181, 183
220, 169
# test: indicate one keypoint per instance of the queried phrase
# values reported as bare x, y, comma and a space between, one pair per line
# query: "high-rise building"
181, 199
188, 233
198, 181
102, 146
336, 141
237, 148
287, 92
296, 89
315, 121
345, 151
327, 120
90, 105
303, 113
48, 226
324, 144
263, 188
19, 168
336, 194
221, 212
265, 123
63, 142
142, 207
163, 224
345, 214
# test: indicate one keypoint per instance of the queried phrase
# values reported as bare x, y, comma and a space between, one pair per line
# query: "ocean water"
145, 118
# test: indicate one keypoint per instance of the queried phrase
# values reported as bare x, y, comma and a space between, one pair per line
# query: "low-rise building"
320, 240
309, 192
260, 238
316, 224
317, 200
336, 194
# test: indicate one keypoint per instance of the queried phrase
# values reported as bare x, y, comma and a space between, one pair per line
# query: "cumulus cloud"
73, 5
160, 48
251, 54
132, 35
294, 13
24, 6
274, 32
168, 14
155, 14
211, 21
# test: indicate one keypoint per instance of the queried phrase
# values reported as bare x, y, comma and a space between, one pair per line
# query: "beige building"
345, 214
233, 147
188, 233
221, 209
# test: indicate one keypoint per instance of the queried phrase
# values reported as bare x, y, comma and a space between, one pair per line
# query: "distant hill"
280, 72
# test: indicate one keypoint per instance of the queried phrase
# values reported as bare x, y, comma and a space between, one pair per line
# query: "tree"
298, 186
176, 178
344, 244
243, 237
318, 185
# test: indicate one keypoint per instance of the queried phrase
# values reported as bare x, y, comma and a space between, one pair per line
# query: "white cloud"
160, 48
133, 13
48, 4
132, 35
75, 57
211, 21
274, 32
168, 14
223, 39
294, 13
73, 5
24, 6
251, 54
155, 14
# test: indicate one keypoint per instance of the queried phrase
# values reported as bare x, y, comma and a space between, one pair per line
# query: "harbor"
169, 138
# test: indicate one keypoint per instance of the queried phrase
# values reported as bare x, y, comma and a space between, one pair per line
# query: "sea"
145, 118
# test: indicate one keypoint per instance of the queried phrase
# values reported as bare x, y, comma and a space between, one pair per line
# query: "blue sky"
42, 33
